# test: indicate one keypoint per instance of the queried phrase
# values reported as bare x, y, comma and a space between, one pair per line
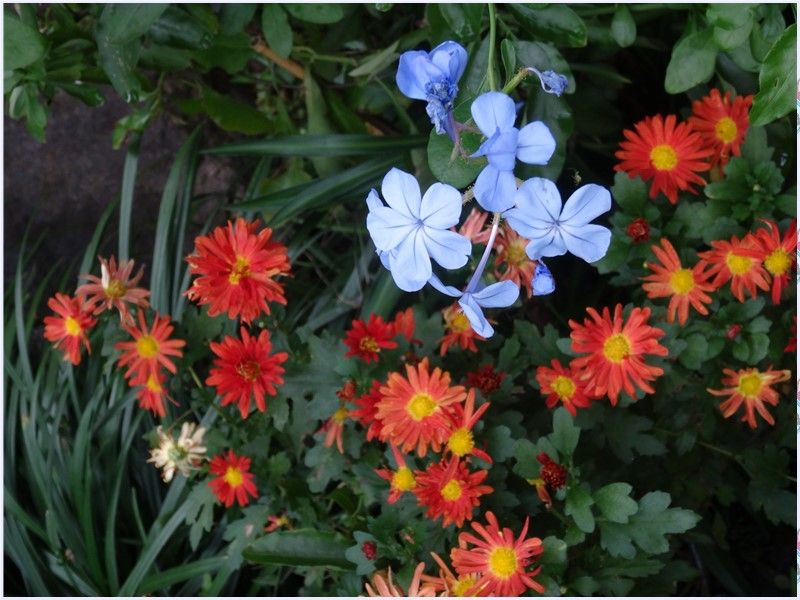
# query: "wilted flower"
115, 288
183, 455
383, 586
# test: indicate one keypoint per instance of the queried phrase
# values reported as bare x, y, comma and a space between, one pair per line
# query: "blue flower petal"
589, 242
585, 204
474, 313
385, 259
441, 206
492, 111
497, 295
536, 144
401, 192
502, 153
388, 228
494, 190
448, 248
550, 244
451, 58
542, 282
538, 199
448, 290
374, 200
410, 263
414, 72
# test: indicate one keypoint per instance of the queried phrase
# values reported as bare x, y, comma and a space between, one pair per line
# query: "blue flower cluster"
411, 229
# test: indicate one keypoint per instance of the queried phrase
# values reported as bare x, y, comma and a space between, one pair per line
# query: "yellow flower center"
682, 281
463, 585
738, 265
403, 479
421, 406
503, 562
451, 491
72, 326
458, 323
778, 262
147, 346
663, 157
461, 442
515, 254
233, 477
340, 416
368, 344
241, 268
115, 289
726, 130
617, 348
152, 384
750, 385
248, 370
563, 386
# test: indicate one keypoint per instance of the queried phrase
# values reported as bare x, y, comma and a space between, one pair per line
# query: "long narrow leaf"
126, 196
91, 250
161, 581
321, 145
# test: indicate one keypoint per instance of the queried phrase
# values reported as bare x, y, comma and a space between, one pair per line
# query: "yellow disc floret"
663, 157
616, 348
421, 406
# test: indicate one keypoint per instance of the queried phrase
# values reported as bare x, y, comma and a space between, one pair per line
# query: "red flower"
738, 262
562, 385
721, 123
114, 288
733, 331
458, 330
367, 411
791, 345
449, 490
149, 348
404, 324
69, 329
777, 256
365, 340
244, 369
486, 379
237, 267
638, 230
552, 473
234, 479
752, 388
151, 391
400, 481
669, 155
461, 442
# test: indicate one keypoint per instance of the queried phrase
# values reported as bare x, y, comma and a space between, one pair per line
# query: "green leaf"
233, 115
649, 527
776, 81
321, 14
623, 27
615, 539
554, 557
696, 352
508, 354
227, 51
732, 24
565, 433
615, 503
123, 23
176, 28
318, 123
555, 23
463, 19
376, 63
453, 169
630, 193
692, 62
578, 506
276, 29
299, 548
320, 145
234, 18
624, 433
543, 56
22, 44
509, 57
500, 443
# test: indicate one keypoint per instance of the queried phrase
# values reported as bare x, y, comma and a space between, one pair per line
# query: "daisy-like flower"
511, 261
244, 369
115, 288
500, 561
383, 586
778, 255
367, 410
334, 429
183, 455
458, 331
750, 387
721, 123
560, 384
237, 269
450, 491
461, 442
234, 479
366, 340
616, 350
150, 391
474, 227
486, 379
669, 155
638, 230
412, 408
150, 348
404, 324
736, 261
681, 285
275, 522
401, 480
448, 583
69, 330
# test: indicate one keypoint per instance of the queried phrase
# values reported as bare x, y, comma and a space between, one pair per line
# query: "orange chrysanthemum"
149, 348
450, 491
777, 256
461, 442
721, 123
70, 328
401, 480
244, 369
383, 586
151, 392
458, 331
412, 408
560, 384
404, 324
669, 155
334, 429
234, 479
737, 261
682, 286
499, 560
512, 261
616, 349
448, 583
115, 288
474, 227
366, 340
752, 388
237, 267
367, 410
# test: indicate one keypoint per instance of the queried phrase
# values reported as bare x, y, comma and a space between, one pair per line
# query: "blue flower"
496, 295
553, 229
494, 114
552, 82
433, 76
542, 282
413, 229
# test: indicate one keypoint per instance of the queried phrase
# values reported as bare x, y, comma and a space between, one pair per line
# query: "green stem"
492, 34
516, 80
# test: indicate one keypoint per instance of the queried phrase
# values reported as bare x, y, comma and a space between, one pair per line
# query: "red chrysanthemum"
616, 350
682, 286
366, 340
638, 230
486, 379
70, 328
448, 490
777, 255
752, 388
737, 261
721, 123
560, 384
404, 324
236, 268
149, 348
512, 261
458, 331
401, 480
234, 479
461, 441
499, 560
115, 288
367, 410
244, 369
150, 391
669, 155
552, 473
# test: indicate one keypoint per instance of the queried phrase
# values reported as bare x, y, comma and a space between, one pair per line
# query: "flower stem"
476, 277
516, 80
492, 34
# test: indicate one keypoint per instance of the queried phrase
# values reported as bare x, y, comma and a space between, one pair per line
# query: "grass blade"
321, 145
126, 196
161, 581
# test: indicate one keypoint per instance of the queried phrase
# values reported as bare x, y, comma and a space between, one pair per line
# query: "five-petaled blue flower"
413, 229
553, 229
433, 76
494, 114
496, 295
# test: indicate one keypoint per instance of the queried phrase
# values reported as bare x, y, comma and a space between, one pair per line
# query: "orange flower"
682, 286
149, 348
245, 369
383, 586
334, 429
151, 391
234, 479
275, 522
400, 481
365, 340
669, 155
448, 583
450, 491
404, 324
753, 388
721, 123
114, 288
616, 352
367, 410
461, 443
562, 385
412, 408
69, 329
512, 261
777, 256
737, 261
237, 267
498, 559
458, 330
474, 227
